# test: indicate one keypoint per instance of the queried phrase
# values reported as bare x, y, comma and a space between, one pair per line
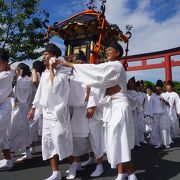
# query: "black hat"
81, 56
170, 83
4, 55
133, 79
117, 47
39, 66
159, 83
52, 48
141, 82
25, 69
137, 83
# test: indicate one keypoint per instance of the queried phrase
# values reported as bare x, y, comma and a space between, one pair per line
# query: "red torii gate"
167, 63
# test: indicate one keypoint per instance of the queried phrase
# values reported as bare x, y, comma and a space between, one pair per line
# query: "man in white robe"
37, 69
132, 95
173, 109
118, 121
19, 130
86, 133
6, 78
52, 96
78, 97
141, 101
148, 119
161, 128
96, 131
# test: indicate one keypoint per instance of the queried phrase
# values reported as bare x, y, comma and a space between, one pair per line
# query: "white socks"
99, 170
6, 164
79, 168
132, 177
56, 175
72, 170
91, 160
121, 177
27, 156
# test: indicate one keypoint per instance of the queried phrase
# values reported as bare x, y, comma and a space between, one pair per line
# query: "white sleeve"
77, 91
93, 97
6, 78
60, 92
177, 103
100, 76
23, 89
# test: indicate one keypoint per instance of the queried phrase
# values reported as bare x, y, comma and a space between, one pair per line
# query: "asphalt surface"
149, 164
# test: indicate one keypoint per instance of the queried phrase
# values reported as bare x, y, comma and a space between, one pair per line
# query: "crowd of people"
80, 108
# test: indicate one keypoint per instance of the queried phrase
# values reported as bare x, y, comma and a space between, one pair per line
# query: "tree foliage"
21, 29
176, 86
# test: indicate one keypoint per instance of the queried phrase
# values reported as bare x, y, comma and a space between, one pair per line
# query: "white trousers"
5, 120
56, 140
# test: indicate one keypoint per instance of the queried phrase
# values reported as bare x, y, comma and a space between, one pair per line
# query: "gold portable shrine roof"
87, 25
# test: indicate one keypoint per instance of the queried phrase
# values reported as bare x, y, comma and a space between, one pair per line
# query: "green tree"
21, 29
147, 83
177, 87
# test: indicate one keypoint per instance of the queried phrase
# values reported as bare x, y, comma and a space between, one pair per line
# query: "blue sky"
62, 9
156, 25
161, 9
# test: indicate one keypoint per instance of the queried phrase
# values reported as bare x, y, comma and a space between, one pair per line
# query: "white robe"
79, 122
161, 128
53, 99
77, 94
173, 110
118, 121
96, 130
19, 130
148, 113
34, 127
6, 78
142, 98
133, 99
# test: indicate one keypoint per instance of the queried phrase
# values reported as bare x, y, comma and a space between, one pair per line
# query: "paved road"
149, 163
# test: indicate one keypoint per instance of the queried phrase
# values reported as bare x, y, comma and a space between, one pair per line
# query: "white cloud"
148, 35
142, 5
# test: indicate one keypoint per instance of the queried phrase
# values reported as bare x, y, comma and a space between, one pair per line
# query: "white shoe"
121, 177
157, 146
79, 168
99, 170
167, 146
6, 164
54, 177
132, 177
72, 171
144, 142
88, 162
25, 157
2, 161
